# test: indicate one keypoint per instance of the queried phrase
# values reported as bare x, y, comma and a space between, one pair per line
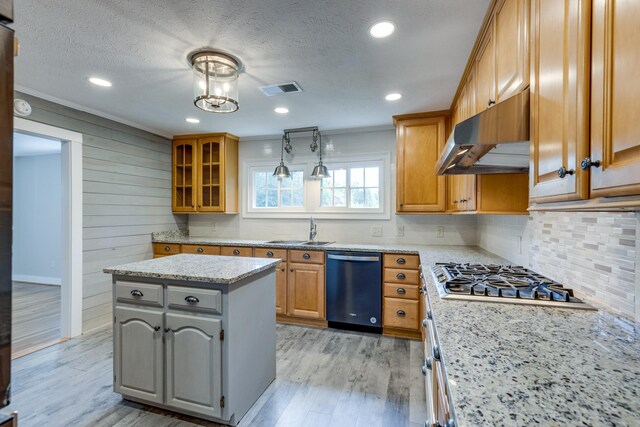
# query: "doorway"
47, 236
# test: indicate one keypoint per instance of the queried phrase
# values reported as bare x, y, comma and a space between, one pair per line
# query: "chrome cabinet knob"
428, 362
563, 172
167, 248
200, 250
587, 163
424, 322
236, 252
436, 352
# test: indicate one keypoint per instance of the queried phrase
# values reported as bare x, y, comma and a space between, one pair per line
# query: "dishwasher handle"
354, 258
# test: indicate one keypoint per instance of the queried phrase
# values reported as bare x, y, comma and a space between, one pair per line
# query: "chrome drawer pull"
167, 248
136, 293
401, 313
401, 291
306, 256
269, 254
236, 252
200, 250
400, 276
401, 261
192, 300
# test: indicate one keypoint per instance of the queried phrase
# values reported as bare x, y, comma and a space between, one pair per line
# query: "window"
356, 187
271, 192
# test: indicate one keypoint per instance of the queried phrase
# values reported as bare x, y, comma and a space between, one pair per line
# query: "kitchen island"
195, 334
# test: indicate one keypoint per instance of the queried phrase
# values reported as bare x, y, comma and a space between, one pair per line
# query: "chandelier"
215, 81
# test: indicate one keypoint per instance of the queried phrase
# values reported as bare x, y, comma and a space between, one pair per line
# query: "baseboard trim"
55, 281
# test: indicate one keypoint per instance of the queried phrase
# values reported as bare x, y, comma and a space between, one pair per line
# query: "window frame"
269, 169
347, 165
311, 188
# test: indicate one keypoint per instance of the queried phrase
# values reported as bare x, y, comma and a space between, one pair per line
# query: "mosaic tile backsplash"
593, 253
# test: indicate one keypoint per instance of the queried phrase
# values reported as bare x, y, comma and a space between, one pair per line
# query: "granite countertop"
183, 239
519, 365
196, 268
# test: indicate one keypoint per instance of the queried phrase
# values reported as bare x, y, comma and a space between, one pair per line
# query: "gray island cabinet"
195, 334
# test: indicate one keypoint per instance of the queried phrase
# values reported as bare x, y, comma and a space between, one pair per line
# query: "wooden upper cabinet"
205, 173
615, 98
485, 73
419, 143
559, 99
183, 175
511, 21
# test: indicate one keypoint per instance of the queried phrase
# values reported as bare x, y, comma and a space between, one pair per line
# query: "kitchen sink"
300, 242
315, 243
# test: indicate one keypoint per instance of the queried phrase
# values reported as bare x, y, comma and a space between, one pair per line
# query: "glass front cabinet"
205, 173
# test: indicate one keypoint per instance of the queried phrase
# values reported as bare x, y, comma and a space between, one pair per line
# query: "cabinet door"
615, 98
485, 73
184, 170
194, 364
470, 192
306, 291
512, 47
281, 288
138, 354
559, 99
471, 92
211, 174
419, 144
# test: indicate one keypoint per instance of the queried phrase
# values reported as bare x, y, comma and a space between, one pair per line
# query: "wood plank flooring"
35, 317
324, 378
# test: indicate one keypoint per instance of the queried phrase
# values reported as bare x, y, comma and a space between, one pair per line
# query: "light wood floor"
35, 317
324, 378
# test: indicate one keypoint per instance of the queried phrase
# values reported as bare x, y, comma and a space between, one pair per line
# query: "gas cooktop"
502, 283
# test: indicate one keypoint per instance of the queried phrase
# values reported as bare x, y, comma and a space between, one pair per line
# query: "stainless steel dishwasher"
354, 290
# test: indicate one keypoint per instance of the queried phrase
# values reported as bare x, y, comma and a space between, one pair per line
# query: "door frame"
71, 155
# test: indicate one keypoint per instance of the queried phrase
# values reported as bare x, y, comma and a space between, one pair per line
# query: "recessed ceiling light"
100, 82
382, 29
192, 120
281, 110
393, 97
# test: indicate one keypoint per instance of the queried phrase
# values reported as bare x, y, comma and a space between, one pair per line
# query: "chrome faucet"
313, 229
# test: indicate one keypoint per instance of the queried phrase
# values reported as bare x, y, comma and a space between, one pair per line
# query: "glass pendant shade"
320, 171
215, 81
282, 171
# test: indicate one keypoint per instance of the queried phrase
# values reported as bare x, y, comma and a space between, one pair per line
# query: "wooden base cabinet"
401, 307
306, 297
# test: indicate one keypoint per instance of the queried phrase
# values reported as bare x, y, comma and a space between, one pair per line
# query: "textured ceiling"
141, 46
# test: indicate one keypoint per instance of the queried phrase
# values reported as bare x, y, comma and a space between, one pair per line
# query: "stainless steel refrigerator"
6, 187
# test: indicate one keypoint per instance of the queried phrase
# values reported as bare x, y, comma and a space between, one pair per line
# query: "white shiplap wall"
126, 196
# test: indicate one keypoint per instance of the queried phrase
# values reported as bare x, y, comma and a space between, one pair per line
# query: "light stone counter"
196, 268
517, 365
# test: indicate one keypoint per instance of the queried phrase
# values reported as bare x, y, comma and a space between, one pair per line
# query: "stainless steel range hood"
494, 141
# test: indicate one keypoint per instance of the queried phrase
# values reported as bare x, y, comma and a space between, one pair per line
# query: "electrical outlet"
440, 232
376, 231
400, 230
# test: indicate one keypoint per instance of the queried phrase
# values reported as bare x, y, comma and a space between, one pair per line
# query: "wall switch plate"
400, 230
376, 231
440, 232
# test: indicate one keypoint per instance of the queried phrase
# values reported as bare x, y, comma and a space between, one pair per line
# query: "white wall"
37, 244
418, 229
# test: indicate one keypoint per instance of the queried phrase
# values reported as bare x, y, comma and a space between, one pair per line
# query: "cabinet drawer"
402, 261
236, 251
139, 293
201, 249
166, 248
270, 253
313, 257
399, 290
400, 313
398, 275
194, 299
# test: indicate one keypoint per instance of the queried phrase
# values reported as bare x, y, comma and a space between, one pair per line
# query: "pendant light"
215, 81
281, 170
320, 171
